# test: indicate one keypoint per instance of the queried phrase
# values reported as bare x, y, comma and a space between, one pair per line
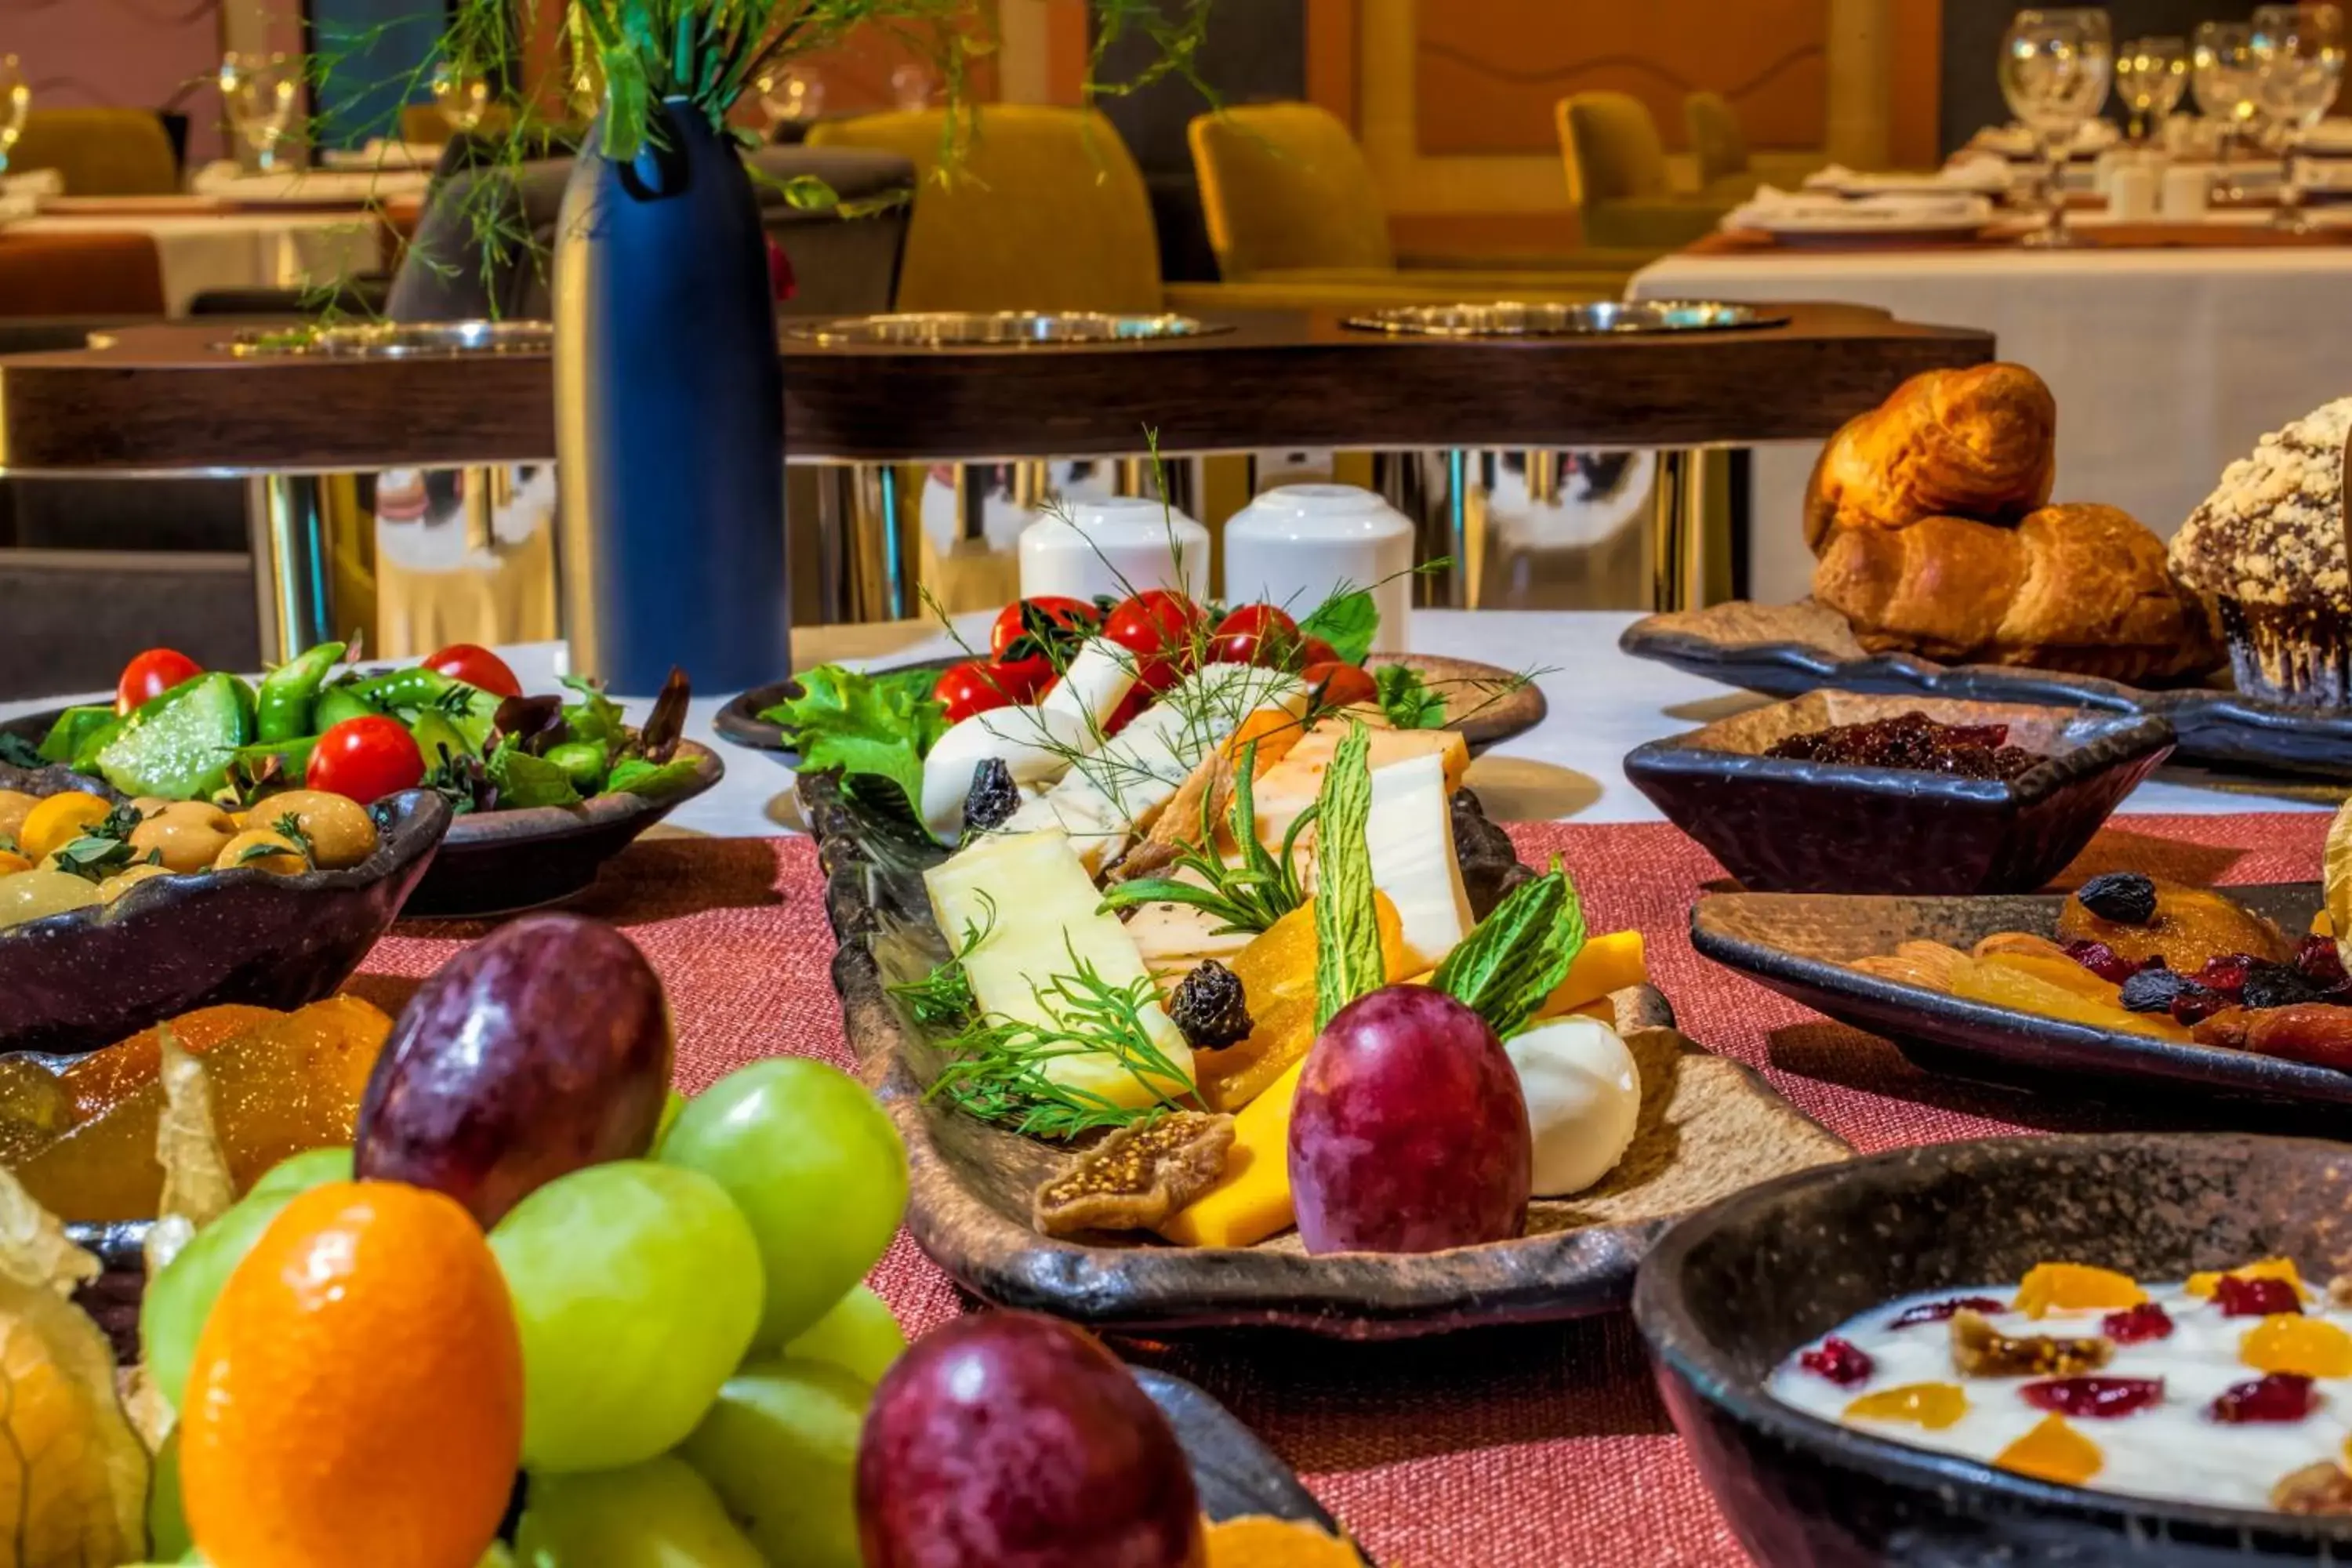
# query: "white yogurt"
2171, 1450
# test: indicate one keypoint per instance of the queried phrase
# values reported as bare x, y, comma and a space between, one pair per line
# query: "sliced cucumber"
180, 747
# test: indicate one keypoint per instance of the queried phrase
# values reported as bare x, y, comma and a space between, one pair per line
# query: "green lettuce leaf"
595, 717
652, 780
877, 726
524, 780
1348, 622
1411, 704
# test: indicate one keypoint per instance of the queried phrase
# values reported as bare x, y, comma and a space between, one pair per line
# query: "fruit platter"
475, 1286
1187, 1011
542, 788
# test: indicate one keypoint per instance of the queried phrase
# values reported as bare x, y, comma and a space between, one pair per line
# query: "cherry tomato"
1157, 626
1254, 634
151, 675
1069, 620
365, 758
1139, 697
1314, 650
1022, 680
1336, 685
477, 667
968, 689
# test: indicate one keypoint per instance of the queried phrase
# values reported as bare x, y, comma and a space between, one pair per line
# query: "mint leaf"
1519, 953
1347, 923
879, 726
595, 717
1410, 703
1347, 621
652, 780
523, 780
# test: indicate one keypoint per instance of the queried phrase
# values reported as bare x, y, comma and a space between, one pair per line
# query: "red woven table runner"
1515, 1449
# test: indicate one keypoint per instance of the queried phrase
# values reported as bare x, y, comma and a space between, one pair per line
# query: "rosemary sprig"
1248, 896
999, 1068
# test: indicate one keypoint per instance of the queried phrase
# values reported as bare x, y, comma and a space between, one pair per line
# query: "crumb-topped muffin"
2267, 547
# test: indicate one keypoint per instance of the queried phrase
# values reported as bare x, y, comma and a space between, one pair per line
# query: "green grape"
177, 1301
816, 1168
659, 1514
301, 1172
781, 1449
167, 1525
637, 1287
860, 1334
672, 1103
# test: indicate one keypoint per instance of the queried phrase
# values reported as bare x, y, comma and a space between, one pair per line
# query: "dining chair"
1720, 146
100, 151
1617, 177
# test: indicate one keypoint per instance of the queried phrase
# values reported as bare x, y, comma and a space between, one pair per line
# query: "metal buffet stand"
287, 408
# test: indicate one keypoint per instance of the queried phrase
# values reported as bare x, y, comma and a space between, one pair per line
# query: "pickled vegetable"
292, 1084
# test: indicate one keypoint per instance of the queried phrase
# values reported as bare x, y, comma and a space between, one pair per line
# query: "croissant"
1979, 443
2084, 589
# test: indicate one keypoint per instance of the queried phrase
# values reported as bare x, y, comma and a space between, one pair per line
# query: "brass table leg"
289, 563
1678, 533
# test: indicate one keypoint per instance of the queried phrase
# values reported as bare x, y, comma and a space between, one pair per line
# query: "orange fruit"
57, 822
357, 1391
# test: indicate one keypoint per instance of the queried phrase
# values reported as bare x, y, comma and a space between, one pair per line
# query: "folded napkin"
1772, 208
34, 183
2015, 141
223, 179
1981, 175
2331, 138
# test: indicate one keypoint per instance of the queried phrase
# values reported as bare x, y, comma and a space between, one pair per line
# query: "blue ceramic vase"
670, 416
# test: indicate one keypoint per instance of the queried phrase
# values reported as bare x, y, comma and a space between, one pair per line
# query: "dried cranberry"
2137, 1325
2126, 898
2103, 961
1841, 1361
1942, 1311
2226, 974
2276, 985
2278, 1396
2196, 1004
2099, 1398
2154, 989
2241, 1297
2322, 961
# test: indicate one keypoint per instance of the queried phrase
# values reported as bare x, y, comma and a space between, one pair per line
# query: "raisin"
994, 797
2102, 961
1841, 1361
2278, 1396
2154, 990
2276, 985
2138, 1325
1942, 1311
2322, 963
1210, 1008
2098, 1398
2126, 898
2239, 1297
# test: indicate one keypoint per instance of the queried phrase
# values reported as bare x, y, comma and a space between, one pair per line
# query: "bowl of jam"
1842, 792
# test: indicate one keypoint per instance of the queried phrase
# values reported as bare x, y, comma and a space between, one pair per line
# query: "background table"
2167, 364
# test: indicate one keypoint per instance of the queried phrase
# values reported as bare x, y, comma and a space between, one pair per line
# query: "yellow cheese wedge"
1292, 784
1251, 1200
1610, 961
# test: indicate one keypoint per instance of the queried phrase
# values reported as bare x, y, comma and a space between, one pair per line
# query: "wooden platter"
1495, 712
1236, 1474
1786, 650
1709, 1127
1799, 944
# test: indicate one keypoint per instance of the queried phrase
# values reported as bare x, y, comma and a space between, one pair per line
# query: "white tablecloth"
1603, 704
2167, 364
238, 250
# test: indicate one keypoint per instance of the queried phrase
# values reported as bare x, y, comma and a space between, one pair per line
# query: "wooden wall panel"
1489, 72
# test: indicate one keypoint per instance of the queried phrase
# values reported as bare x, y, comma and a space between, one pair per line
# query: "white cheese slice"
1410, 835
1044, 918
1583, 1092
1035, 744
1094, 684
1175, 937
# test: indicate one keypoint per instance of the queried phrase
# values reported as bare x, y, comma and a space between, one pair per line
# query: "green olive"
340, 831
31, 895
129, 877
264, 849
189, 835
14, 804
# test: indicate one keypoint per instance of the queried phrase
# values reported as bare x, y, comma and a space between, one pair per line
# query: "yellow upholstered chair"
1617, 176
1048, 211
1718, 145
100, 151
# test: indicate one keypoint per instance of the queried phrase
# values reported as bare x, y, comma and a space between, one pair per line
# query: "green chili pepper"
339, 702
406, 688
289, 691
583, 762
295, 754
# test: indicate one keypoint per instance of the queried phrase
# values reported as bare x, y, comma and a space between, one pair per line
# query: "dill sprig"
943, 998
1249, 895
999, 1068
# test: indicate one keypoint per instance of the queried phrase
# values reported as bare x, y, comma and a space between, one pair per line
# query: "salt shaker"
1115, 545
2131, 194
2186, 189
1294, 545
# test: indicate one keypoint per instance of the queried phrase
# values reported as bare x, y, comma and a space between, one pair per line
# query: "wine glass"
2298, 53
792, 94
461, 93
260, 91
2150, 76
2222, 75
2056, 67
911, 86
15, 103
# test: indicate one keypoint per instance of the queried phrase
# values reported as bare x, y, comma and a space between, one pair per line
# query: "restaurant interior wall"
379, 55
124, 54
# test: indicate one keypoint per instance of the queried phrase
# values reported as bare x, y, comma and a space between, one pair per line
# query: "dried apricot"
2060, 970
2190, 926
1933, 1406
2319, 1033
2074, 1288
2003, 984
2311, 1346
2052, 1451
